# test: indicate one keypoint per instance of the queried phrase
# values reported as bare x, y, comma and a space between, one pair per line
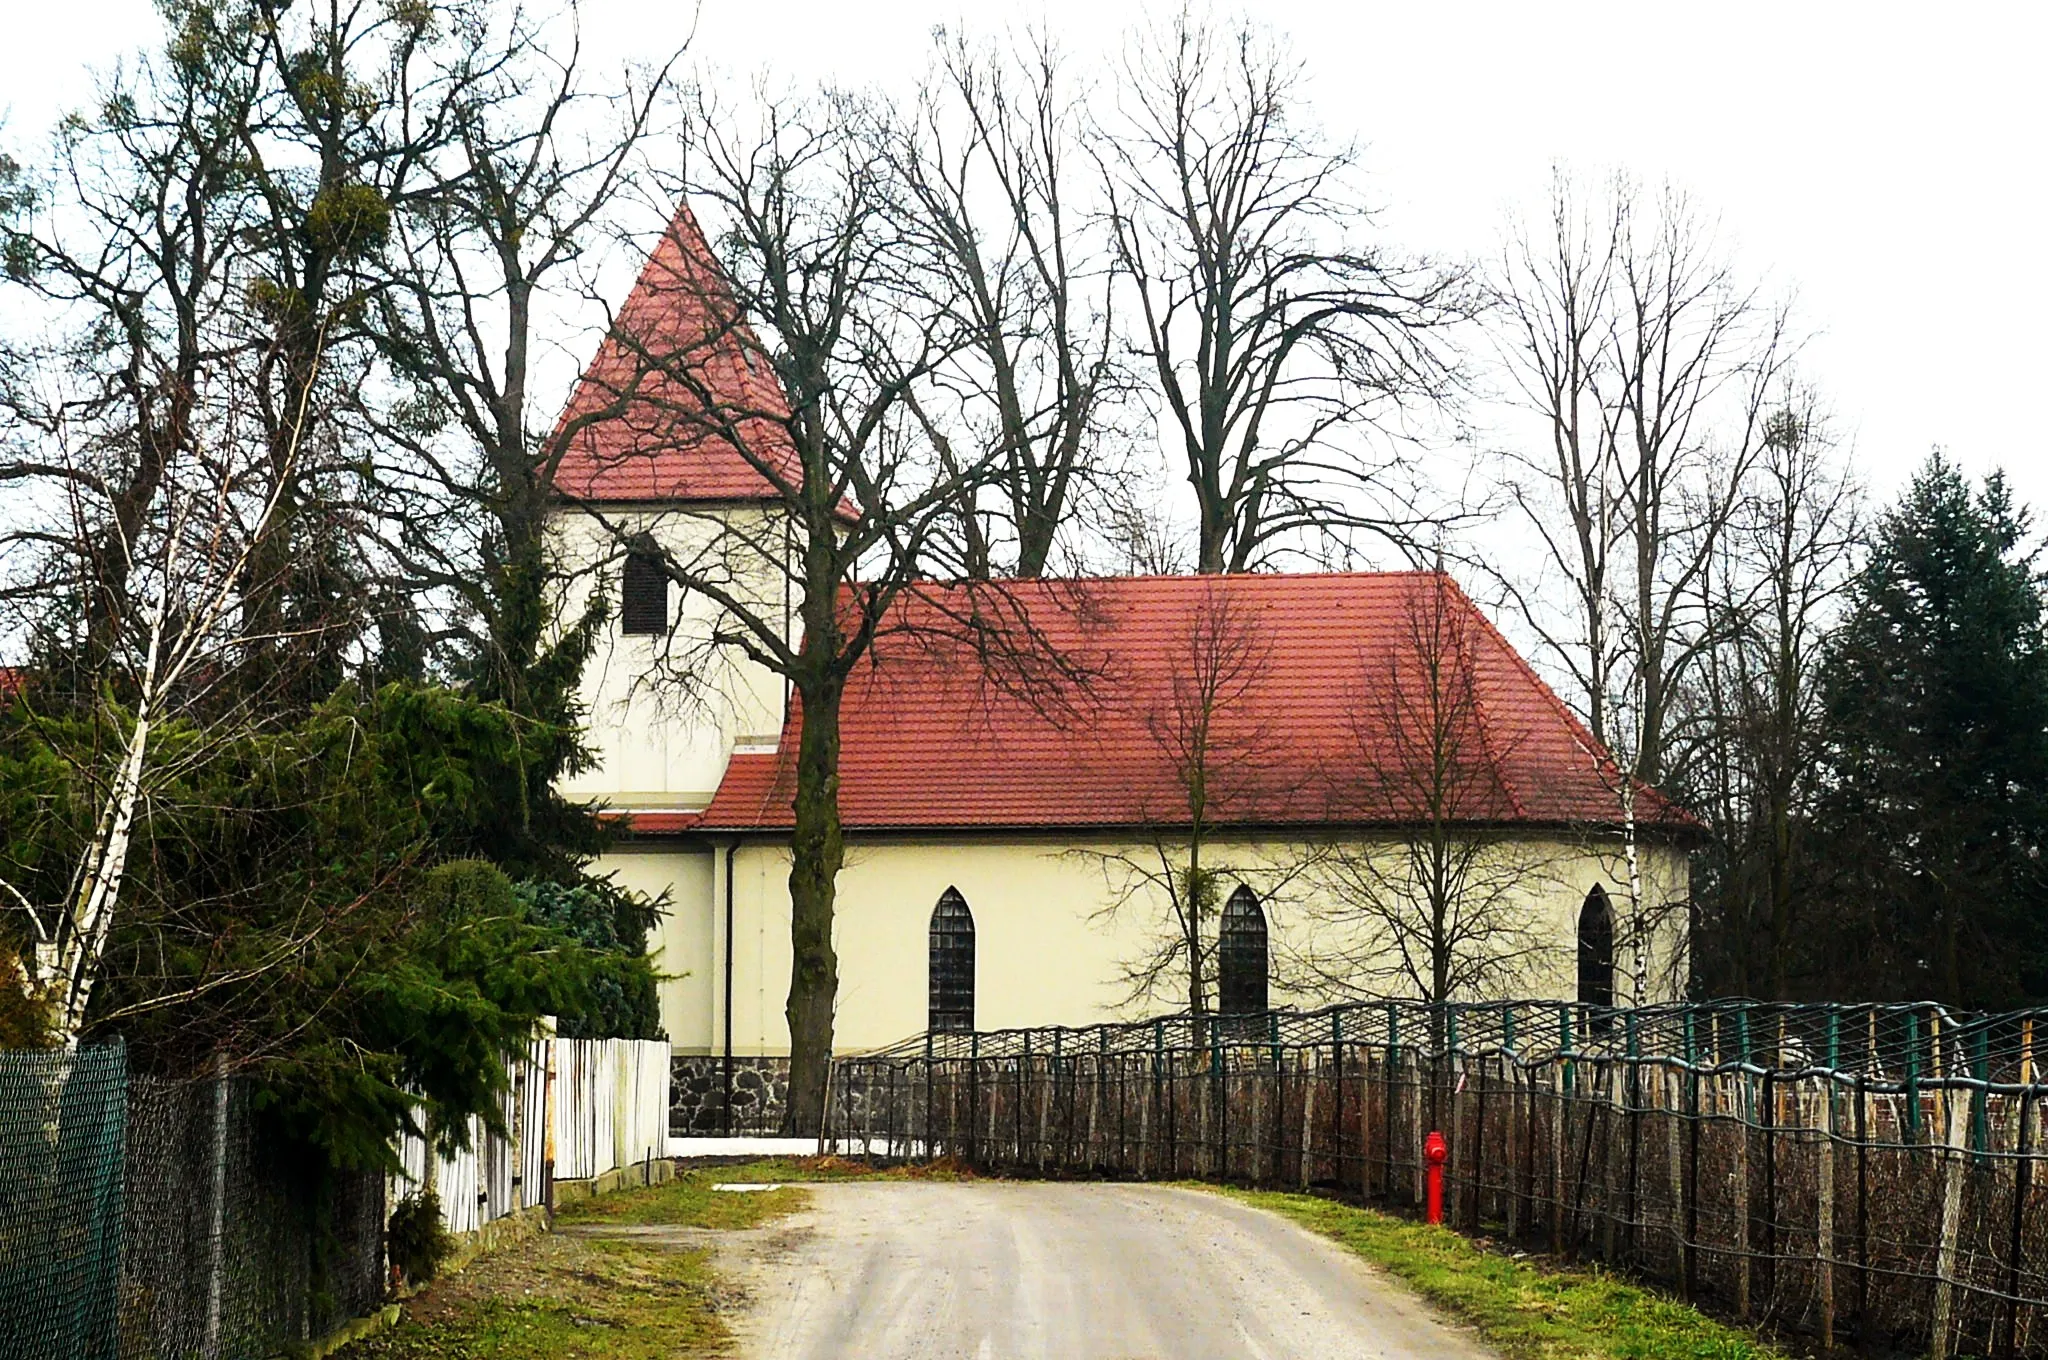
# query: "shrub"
415, 1240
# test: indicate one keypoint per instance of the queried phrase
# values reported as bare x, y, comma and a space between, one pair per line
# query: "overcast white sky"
1885, 162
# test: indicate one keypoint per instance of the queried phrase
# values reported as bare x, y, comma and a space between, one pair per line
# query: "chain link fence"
231, 1250
62, 1116
144, 1219
1848, 1172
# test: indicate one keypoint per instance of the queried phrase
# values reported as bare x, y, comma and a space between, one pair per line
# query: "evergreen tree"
1936, 731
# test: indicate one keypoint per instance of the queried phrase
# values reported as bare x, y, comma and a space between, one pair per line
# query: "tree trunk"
817, 849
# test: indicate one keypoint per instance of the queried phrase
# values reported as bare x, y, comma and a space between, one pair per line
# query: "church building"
1321, 748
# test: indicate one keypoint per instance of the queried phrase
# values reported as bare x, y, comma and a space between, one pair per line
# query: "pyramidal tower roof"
680, 404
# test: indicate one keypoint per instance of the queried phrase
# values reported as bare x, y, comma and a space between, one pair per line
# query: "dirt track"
893, 1271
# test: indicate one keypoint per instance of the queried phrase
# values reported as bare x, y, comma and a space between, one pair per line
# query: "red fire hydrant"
1435, 1152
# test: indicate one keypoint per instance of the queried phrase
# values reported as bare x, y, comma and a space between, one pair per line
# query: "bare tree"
1651, 368
1770, 597
1440, 909
986, 164
488, 253
1226, 766
798, 365
1281, 343
132, 255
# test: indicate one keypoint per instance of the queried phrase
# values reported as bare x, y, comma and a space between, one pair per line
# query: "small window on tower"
643, 594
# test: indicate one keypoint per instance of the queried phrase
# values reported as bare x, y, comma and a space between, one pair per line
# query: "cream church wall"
1043, 954
656, 745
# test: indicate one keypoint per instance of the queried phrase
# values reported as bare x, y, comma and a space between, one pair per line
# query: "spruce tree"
1936, 712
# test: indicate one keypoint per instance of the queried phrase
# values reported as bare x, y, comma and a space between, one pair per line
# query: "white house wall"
1045, 953
658, 746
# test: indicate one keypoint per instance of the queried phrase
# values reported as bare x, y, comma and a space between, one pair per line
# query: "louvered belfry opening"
1596, 950
952, 964
643, 593
1241, 955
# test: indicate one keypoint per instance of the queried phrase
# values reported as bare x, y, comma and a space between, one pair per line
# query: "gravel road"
894, 1271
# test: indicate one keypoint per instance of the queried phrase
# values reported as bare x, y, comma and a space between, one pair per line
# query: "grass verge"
578, 1298
1528, 1310
584, 1295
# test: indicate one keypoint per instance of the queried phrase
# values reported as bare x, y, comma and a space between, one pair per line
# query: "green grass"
689, 1201
601, 1298
576, 1299
1525, 1309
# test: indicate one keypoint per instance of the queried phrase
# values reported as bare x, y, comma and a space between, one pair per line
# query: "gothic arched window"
952, 964
1596, 950
1241, 955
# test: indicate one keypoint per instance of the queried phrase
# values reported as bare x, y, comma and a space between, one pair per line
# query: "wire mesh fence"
61, 1136
230, 1248
1865, 1172
142, 1218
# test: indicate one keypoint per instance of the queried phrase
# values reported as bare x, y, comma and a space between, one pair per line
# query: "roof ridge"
923, 746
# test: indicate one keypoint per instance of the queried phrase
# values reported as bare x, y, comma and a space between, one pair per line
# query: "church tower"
670, 435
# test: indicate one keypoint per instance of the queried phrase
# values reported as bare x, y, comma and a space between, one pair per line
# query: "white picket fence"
611, 1105
608, 1108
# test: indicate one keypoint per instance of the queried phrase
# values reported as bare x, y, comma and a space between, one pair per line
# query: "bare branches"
985, 165
1279, 341
1750, 714
503, 216
1445, 909
1649, 366
1225, 761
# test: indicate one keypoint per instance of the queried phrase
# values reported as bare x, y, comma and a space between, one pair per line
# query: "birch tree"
178, 631
1649, 366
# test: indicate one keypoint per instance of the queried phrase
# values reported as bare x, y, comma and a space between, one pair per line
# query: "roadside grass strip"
577, 1298
691, 1201
582, 1295
1525, 1309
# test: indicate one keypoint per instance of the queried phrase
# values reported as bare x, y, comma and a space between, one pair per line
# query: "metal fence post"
1862, 1208
1017, 1112
1767, 1122
1387, 1143
1337, 1104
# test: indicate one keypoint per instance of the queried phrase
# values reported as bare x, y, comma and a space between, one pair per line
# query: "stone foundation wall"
696, 1103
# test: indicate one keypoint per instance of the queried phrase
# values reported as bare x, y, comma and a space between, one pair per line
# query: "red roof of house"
679, 387
1315, 688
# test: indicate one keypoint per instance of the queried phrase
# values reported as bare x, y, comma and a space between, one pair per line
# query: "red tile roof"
678, 388
1318, 717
